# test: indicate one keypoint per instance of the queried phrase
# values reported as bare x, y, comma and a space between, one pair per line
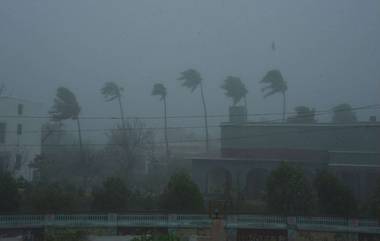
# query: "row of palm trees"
67, 107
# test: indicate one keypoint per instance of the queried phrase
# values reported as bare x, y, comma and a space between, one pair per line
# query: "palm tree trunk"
166, 129
283, 107
246, 108
80, 141
205, 117
121, 113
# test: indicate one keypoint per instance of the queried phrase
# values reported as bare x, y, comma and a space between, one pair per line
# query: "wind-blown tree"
235, 89
343, 113
303, 115
275, 84
192, 79
10, 198
111, 91
67, 107
182, 194
160, 90
289, 192
334, 198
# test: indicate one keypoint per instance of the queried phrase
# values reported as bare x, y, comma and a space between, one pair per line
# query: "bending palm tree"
235, 89
66, 107
112, 91
192, 79
160, 90
275, 84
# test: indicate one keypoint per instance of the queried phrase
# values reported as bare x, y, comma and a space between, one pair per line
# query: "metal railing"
186, 221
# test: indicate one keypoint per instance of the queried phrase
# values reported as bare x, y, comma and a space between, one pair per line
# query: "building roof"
326, 124
19, 99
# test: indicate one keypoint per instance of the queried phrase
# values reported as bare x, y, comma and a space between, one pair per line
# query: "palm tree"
192, 79
235, 89
275, 84
112, 91
160, 90
66, 107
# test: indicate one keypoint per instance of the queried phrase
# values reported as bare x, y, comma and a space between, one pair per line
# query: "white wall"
28, 144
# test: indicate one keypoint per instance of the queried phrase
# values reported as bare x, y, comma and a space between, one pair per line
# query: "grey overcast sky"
328, 50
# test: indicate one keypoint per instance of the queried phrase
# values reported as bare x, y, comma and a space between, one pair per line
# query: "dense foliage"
334, 198
112, 196
181, 194
289, 192
9, 195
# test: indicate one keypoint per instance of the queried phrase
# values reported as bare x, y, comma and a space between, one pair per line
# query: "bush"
9, 195
181, 194
289, 192
111, 197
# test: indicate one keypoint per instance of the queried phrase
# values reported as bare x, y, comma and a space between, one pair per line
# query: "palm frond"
65, 105
111, 91
191, 79
159, 90
234, 88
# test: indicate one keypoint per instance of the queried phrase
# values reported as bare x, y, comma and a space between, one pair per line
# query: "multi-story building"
20, 135
251, 150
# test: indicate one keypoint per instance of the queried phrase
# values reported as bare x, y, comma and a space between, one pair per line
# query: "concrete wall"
28, 143
315, 138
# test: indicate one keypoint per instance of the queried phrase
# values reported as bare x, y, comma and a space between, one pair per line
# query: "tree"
192, 79
303, 115
128, 150
112, 196
112, 91
375, 201
235, 89
182, 194
289, 192
10, 198
160, 90
54, 197
334, 198
275, 84
66, 107
343, 113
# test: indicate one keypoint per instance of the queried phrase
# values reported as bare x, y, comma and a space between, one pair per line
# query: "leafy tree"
112, 91
375, 201
112, 196
303, 115
66, 107
182, 194
275, 84
334, 198
160, 90
129, 150
344, 113
192, 79
9, 195
235, 89
54, 197
289, 192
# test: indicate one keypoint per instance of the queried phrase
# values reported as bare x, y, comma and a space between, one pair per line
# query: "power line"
336, 127
373, 106
320, 113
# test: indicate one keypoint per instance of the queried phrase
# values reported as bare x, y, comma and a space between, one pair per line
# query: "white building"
20, 135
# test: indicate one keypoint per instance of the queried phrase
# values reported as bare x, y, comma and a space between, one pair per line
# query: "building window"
19, 129
2, 132
20, 109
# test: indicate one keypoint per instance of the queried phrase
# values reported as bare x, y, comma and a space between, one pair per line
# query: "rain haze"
191, 120
328, 51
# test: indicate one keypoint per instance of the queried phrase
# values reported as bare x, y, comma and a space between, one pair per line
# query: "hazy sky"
328, 50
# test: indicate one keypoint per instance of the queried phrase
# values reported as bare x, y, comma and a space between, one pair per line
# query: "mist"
328, 52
